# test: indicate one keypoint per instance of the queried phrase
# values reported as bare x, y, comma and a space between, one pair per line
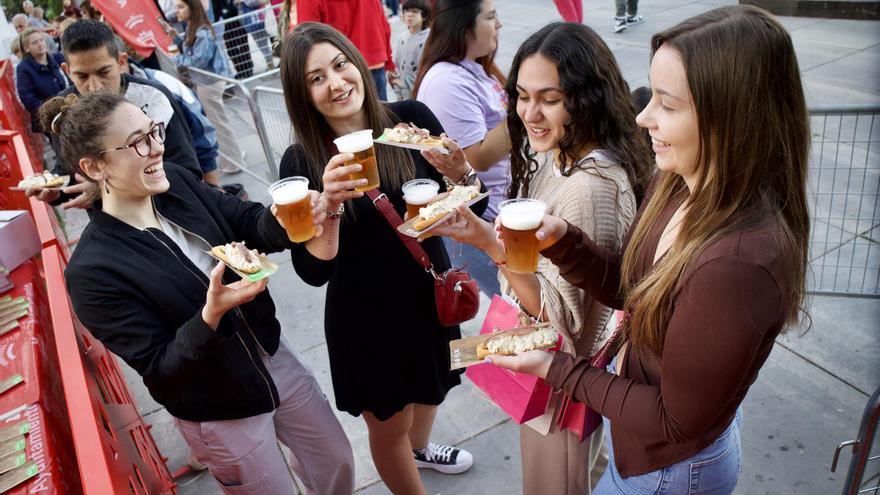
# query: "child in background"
408, 51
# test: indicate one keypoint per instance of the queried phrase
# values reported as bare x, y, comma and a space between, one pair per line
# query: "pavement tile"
840, 32
811, 55
496, 467
839, 72
842, 340
854, 268
793, 417
824, 93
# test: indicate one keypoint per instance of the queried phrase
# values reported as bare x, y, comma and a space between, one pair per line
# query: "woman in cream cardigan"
577, 148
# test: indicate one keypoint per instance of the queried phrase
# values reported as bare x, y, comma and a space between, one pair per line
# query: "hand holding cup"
338, 185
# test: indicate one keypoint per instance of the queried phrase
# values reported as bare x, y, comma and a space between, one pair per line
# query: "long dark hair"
597, 98
197, 18
453, 21
311, 128
754, 135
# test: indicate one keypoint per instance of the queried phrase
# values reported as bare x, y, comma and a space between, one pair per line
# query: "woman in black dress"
389, 355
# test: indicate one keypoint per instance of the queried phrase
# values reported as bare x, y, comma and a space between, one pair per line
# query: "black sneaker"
619, 24
444, 458
632, 20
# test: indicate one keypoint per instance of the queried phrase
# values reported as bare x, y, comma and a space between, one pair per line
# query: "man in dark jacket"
95, 64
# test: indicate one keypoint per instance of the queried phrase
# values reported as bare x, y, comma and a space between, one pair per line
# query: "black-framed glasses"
143, 145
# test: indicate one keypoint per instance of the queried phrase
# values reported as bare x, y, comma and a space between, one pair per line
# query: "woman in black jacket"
207, 346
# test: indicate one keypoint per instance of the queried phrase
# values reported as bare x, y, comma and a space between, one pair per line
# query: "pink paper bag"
523, 397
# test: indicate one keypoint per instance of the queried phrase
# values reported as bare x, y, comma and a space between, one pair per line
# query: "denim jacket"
205, 54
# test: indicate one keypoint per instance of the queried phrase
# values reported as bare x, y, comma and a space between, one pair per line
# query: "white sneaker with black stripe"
444, 458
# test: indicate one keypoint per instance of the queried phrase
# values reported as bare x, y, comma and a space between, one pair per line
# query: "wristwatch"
468, 179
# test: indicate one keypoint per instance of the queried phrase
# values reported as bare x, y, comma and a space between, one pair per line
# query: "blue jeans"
477, 263
379, 79
712, 471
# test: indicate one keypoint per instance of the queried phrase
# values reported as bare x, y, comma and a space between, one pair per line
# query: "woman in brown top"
713, 268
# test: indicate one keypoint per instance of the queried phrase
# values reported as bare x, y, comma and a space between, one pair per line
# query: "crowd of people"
681, 206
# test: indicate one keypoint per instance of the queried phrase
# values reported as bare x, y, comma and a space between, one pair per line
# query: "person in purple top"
459, 81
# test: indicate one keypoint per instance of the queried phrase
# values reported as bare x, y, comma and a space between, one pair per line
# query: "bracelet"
334, 215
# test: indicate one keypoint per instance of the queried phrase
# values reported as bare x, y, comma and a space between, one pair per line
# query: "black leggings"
236, 38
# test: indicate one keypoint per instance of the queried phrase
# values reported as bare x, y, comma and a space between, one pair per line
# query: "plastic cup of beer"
360, 144
520, 219
291, 198
417, 193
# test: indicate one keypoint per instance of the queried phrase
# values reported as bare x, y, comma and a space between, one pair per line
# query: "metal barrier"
844, 187
864, 469
248, 38
230, 107
273, 123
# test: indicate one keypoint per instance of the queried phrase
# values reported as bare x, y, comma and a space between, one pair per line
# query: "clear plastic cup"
360, 143
520, 219
417, 193
291, 198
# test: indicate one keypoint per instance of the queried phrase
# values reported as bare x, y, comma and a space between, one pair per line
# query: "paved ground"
810, 394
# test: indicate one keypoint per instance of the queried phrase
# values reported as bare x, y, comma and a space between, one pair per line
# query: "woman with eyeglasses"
206, 343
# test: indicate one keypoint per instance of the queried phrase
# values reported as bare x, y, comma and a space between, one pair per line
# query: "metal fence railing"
230, 107
247, 40
274, 123
844, 187
863, 476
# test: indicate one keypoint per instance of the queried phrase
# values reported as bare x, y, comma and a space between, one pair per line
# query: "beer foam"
525, 215
289, 192
354, 142
420, 194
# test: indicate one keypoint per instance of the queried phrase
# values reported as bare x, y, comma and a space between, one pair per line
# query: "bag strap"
386, 209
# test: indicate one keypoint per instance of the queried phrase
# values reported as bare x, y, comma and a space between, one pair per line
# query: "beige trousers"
558, 463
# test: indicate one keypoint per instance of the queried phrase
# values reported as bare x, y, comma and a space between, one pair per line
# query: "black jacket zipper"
250, 356
237, 309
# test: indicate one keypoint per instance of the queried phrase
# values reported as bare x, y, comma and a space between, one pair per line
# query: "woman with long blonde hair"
714, 266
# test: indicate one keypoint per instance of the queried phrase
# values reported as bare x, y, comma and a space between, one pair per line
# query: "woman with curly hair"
577, 148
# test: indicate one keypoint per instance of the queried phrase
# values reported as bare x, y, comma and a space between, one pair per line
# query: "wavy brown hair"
451, 24
597, 98
752, 163
312, 131
79, 122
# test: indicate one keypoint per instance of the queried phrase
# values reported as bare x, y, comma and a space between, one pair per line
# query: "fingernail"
541, 235
488, 360
363, 181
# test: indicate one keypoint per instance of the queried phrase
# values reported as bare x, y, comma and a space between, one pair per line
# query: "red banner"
135, 21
